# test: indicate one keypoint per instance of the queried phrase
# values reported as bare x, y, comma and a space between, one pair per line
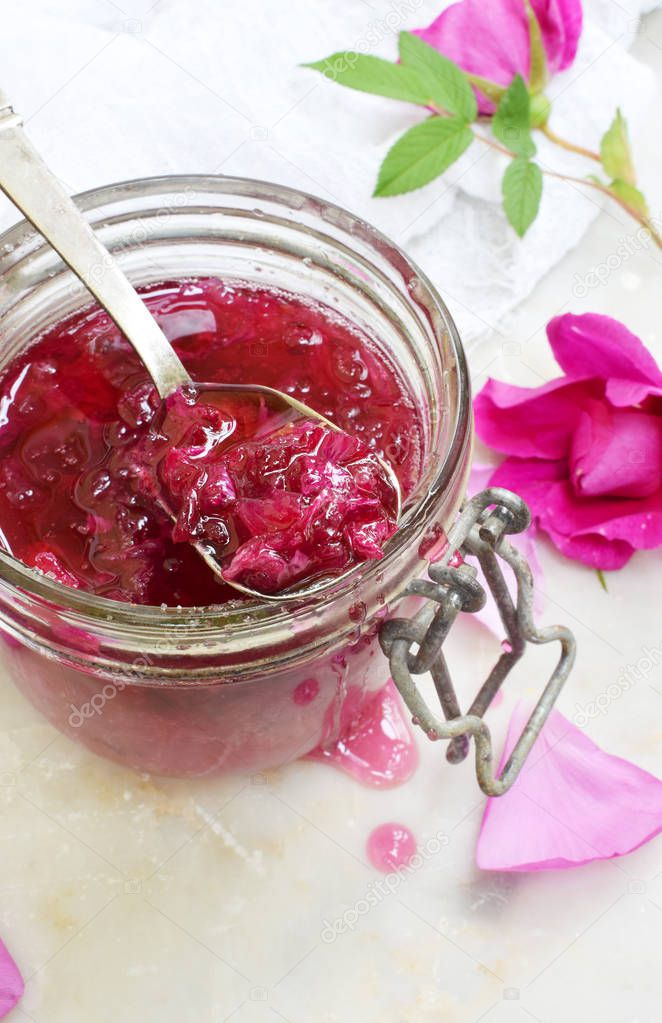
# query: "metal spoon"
33, 188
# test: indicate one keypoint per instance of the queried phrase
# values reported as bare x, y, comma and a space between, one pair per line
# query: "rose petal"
561, 26
600, 357
531, 421
492, 39
572, 804
585, 455
11, 982
593, 550
624, 393
592, 345
616, 452
602, 532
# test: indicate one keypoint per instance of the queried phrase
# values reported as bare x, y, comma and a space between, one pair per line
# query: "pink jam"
372, 740
390, 847
78, 404
276, 498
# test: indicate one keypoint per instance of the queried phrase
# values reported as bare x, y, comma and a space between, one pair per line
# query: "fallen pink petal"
593, 345
11, 982
572, 804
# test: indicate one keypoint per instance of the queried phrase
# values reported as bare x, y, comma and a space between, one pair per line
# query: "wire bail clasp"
480, 532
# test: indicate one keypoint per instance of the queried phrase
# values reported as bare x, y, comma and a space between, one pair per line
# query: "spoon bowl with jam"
273, 496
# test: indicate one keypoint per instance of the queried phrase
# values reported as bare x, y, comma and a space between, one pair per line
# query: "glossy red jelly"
78, 405
278, 499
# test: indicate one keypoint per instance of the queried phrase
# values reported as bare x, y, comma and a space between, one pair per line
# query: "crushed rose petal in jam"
82, 456
278, 499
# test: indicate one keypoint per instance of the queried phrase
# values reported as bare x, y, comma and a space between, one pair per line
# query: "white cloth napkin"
114, 90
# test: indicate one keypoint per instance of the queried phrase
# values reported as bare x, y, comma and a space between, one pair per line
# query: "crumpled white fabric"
115, 90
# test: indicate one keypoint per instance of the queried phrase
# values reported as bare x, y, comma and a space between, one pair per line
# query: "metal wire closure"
479, 532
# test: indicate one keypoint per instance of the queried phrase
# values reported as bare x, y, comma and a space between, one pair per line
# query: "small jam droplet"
306, 691
434, 544
390, 847
358, 612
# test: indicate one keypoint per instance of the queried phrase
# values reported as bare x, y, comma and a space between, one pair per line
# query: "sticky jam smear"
75, 404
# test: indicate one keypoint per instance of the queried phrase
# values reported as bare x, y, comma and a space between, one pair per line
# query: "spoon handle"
34, 189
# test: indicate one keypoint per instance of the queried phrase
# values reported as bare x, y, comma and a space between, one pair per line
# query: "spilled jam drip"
375, 743
75, 407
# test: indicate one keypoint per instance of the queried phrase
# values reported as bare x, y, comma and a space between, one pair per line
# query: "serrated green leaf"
630, 195
422, 154
521, 189
374, 75
615, 151
445, 81
511, 122
538, 70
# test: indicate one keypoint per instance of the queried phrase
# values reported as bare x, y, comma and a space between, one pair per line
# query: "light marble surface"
142, 900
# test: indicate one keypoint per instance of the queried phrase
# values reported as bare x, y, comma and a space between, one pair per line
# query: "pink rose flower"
490, 38
585, 450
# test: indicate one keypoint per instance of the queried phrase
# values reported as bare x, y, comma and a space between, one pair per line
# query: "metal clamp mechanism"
479, 532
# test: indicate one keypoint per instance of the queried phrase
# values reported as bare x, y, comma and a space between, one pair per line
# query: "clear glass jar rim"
17, 575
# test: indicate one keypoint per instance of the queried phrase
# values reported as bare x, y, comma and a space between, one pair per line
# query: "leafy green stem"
572, 147
492, 144
477, 134
426, 78
641, 218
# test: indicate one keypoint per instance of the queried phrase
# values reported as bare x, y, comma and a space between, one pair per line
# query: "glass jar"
198, 691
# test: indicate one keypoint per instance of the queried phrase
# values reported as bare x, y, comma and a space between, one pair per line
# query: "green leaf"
538, 73
422, 154
374, 75
615, 151
511, 122
601, 578
489, 89
630, 195
521, 189
446, 83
